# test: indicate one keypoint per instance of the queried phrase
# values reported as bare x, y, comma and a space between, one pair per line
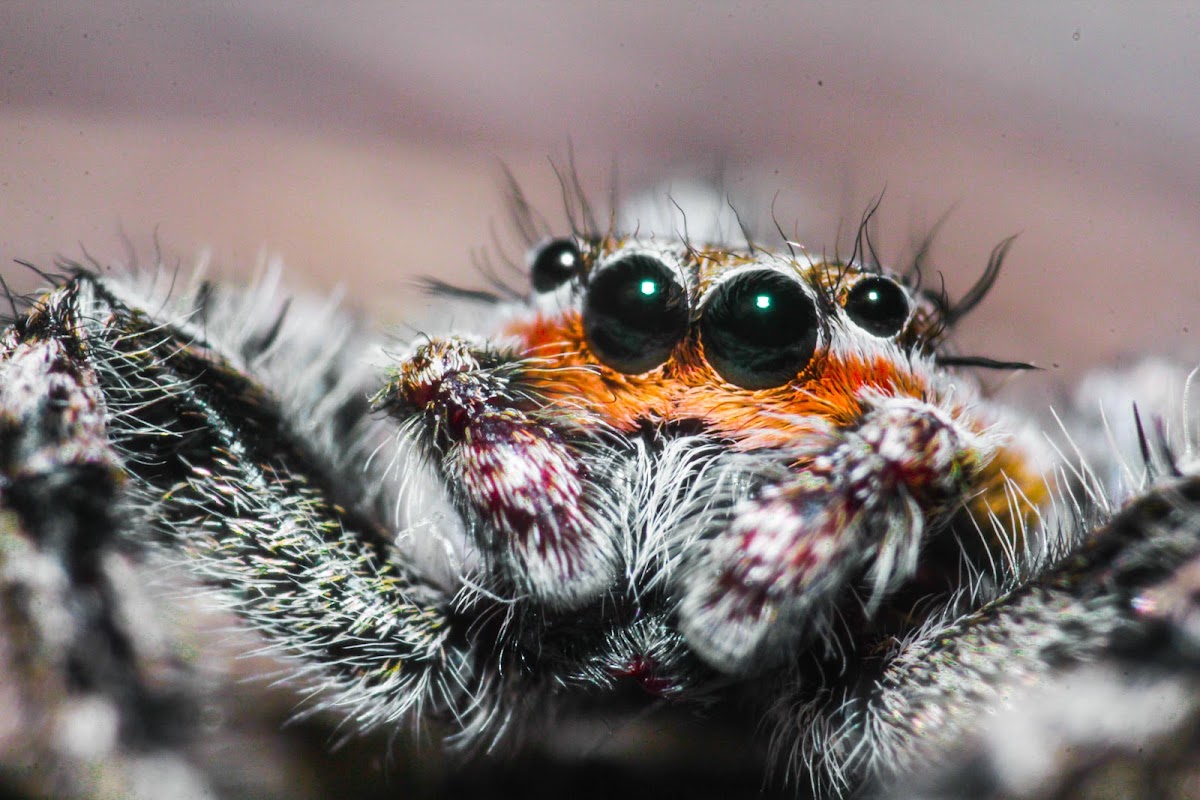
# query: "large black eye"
878, 306
634, 314
554, 263
759, 329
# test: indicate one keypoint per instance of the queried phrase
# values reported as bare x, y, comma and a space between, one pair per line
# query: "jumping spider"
725, 475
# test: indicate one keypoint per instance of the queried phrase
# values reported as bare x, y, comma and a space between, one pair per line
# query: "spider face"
821, 374
758, 348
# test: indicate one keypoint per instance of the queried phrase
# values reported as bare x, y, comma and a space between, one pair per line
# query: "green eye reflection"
555, 263
878, 306
634, 313
759, 329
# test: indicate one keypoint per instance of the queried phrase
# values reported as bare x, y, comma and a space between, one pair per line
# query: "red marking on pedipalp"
643, 669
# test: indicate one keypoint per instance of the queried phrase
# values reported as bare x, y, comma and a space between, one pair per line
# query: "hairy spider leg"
1097, 597
112, 421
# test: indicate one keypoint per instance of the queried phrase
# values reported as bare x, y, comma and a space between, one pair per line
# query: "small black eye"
634, 314
554, 263
759, 329
878, 306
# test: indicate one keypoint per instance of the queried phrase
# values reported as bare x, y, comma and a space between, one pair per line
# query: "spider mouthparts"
438, 372
867, 503
729, 627
644, 670
516, 477
519, 488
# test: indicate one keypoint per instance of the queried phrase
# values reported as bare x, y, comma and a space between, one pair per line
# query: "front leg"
867, 500
1125, 598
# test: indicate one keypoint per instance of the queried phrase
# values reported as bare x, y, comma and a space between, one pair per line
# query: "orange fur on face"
687, 388
827, 393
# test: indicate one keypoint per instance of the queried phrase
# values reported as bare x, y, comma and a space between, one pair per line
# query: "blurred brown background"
361, 141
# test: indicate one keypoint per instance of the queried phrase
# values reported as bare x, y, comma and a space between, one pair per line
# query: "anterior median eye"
634, 314
553, 264
878, 306
759, 329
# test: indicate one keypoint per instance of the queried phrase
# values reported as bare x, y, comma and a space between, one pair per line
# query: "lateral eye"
759, 329
878, 306
553, 264
634, 313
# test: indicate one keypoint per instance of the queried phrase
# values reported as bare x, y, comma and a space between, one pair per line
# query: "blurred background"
362, 141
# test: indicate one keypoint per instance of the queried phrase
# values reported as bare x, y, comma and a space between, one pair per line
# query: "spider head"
758, 348
660, 429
